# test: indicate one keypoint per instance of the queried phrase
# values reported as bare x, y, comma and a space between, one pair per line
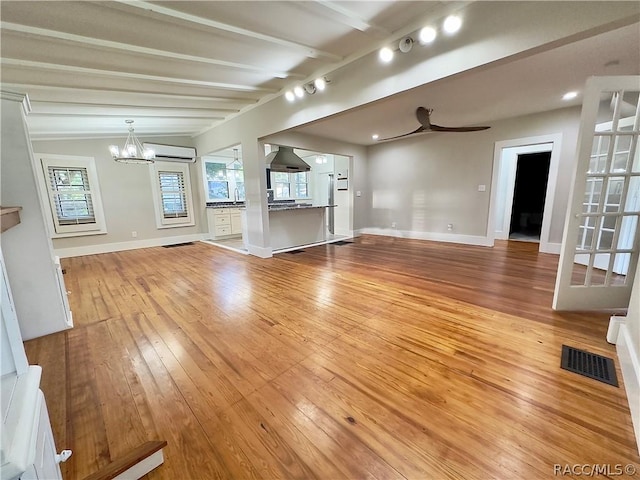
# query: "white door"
600, 243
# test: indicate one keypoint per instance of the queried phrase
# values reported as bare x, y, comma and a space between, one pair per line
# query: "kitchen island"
296, 225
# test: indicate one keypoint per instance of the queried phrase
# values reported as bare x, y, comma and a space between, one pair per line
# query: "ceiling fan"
424, 117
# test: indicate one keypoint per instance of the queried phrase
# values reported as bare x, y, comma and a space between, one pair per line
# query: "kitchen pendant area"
304, 208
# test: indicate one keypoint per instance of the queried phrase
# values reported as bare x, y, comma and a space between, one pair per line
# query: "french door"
601, 238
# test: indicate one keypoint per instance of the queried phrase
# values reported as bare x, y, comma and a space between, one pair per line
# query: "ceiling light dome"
452, 24
299, 91
427, 35
386, 54
320, 83
289, 96
570, 95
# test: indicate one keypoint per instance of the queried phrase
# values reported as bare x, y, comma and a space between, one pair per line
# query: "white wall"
27, 248
425, 182
126, 198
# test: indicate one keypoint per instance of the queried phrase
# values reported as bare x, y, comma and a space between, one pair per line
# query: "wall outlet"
393, 224
450, 226
358, 193
134, 234
482, 188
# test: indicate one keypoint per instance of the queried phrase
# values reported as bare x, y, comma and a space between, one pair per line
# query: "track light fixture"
405, 45
318, 85
426, 35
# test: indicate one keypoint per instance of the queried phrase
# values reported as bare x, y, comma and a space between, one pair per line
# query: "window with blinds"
173, 194
71, 195
70, 183
171, 189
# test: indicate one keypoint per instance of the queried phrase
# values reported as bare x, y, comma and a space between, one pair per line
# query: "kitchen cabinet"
224, 222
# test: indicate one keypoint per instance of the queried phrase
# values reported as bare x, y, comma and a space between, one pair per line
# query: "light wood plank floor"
383, 358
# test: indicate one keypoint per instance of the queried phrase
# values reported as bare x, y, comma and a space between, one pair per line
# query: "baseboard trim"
262, 252
433, 236
121, 246
630, 366
554, 248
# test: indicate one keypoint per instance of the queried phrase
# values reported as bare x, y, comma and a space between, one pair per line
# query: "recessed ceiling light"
299, 91
386, 54
320, 84
427, 35
289, 96
570, 95
452, 24
374, 136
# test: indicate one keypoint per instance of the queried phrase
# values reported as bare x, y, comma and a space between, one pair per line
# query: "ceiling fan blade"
438, 128
418, 130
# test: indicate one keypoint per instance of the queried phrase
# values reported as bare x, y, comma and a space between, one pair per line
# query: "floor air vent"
294, 252
341, 242
589, 364
178, 245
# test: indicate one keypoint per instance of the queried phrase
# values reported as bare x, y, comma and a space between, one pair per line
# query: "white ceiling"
178, 68
478, 97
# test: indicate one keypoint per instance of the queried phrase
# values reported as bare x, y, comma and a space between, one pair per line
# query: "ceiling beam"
100, 110
139, 97
129, 75
308, 51
351, 19
107, 44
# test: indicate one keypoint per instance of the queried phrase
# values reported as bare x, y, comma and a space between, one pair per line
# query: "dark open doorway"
532, 175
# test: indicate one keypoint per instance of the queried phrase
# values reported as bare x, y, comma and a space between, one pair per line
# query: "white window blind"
71, 195
70, 183
173, 194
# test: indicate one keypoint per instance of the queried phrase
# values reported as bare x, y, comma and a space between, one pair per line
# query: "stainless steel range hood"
284, 160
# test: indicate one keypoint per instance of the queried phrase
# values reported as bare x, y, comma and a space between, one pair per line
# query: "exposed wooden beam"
307, 50
130, 75
351, 19
129, 48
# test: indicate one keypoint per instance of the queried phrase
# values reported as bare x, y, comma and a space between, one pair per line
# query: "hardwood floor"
384, 358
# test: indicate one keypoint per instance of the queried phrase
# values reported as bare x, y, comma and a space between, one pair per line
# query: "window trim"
230, 180
161, 221
56, 229
292, 186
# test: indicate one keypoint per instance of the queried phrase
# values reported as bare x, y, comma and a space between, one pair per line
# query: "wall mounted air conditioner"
170, 153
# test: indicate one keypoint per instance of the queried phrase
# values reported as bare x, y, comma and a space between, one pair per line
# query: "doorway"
503, 188
532, 175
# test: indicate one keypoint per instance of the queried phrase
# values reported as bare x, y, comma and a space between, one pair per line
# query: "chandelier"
132, 152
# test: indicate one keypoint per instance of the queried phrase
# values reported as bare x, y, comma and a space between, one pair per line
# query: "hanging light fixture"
132, 152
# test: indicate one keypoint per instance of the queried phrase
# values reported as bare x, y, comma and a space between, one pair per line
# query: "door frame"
556, 140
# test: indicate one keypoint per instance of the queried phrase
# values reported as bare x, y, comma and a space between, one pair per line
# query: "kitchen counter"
297, 225
225, 205
297, 206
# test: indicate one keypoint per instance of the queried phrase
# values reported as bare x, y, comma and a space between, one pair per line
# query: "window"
71, 187
217, 183
223, 182
171, 187
290, 185
173, 193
